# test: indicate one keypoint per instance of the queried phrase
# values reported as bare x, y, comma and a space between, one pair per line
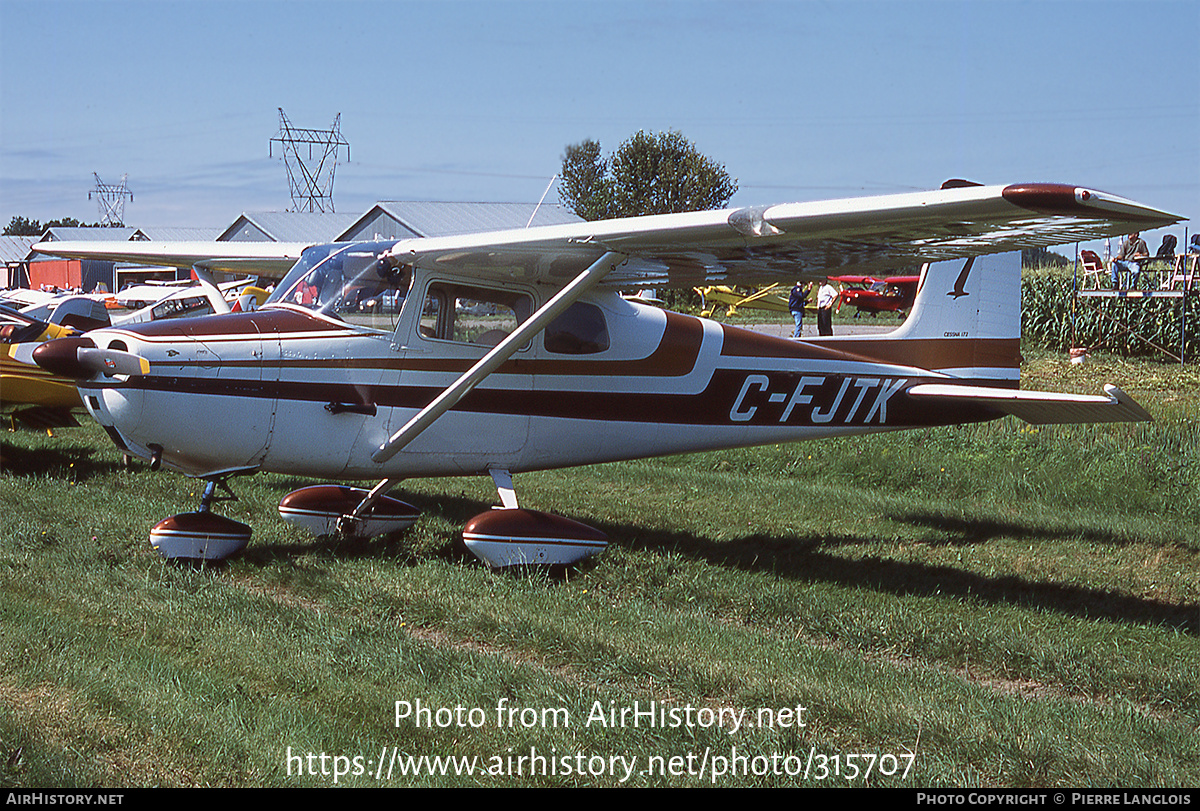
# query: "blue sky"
458, 100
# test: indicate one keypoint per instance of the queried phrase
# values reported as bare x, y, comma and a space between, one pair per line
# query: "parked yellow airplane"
29, 393
772, 298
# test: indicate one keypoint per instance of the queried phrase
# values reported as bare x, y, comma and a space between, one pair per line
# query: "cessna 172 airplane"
504, 352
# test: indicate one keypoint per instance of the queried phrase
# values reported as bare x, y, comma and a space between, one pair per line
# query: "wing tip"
1065, 199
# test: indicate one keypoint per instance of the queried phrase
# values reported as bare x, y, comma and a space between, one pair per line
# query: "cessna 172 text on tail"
504, 352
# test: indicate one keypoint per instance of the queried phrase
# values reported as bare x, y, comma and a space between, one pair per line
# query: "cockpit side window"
473, 315
581, 330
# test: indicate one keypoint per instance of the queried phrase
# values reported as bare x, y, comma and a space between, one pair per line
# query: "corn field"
1051, 316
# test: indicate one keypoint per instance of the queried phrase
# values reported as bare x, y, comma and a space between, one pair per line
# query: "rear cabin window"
581, 330
181, 307
472, 315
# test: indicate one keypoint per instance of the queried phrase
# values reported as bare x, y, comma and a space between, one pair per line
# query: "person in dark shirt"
1129, 259
796, 302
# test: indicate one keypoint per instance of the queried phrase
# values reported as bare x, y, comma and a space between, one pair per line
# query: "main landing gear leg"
504, 486
210, 493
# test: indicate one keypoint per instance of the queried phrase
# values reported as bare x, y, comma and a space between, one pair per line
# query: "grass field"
995, 605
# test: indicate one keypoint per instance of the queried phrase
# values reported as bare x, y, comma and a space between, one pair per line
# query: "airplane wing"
1040, 407
750, 246
273, 259
762, 245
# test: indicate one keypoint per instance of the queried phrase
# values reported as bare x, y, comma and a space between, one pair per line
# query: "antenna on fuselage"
539, 205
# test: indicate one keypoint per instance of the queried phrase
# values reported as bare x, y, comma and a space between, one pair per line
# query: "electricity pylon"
111, 200
310, 180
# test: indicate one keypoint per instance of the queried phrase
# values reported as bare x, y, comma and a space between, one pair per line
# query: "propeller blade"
113, 361
80, 359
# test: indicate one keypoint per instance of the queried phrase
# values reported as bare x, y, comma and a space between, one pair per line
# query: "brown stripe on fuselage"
274, 320
712, 406
769, 396
674, 356
938, 353
923, 353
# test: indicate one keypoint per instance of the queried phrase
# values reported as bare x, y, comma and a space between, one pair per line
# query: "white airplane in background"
504, 352
146, 302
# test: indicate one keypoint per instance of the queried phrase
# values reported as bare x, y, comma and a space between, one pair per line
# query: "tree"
648, 174
659, 173
22, 227
585, 186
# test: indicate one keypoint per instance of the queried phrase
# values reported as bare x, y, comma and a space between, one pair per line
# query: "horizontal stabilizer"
1041, 407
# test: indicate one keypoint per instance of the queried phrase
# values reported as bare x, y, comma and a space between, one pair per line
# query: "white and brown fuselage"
290, 390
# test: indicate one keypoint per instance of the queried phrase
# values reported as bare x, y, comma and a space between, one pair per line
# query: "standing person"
826, 296
796, 302
1129, 259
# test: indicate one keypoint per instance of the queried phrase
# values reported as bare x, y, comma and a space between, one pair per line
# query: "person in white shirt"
826, 297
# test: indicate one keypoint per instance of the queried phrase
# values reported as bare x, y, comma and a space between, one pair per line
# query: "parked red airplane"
893, 294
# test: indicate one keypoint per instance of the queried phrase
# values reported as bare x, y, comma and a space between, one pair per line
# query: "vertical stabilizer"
965, 322
978, 297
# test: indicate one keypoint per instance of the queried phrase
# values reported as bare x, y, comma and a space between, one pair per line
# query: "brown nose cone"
61, 357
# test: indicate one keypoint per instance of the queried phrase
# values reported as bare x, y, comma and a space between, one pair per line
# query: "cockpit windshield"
352, 282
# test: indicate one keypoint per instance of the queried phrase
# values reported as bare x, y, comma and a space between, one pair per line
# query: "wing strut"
476, 374
498, 355
211, 290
